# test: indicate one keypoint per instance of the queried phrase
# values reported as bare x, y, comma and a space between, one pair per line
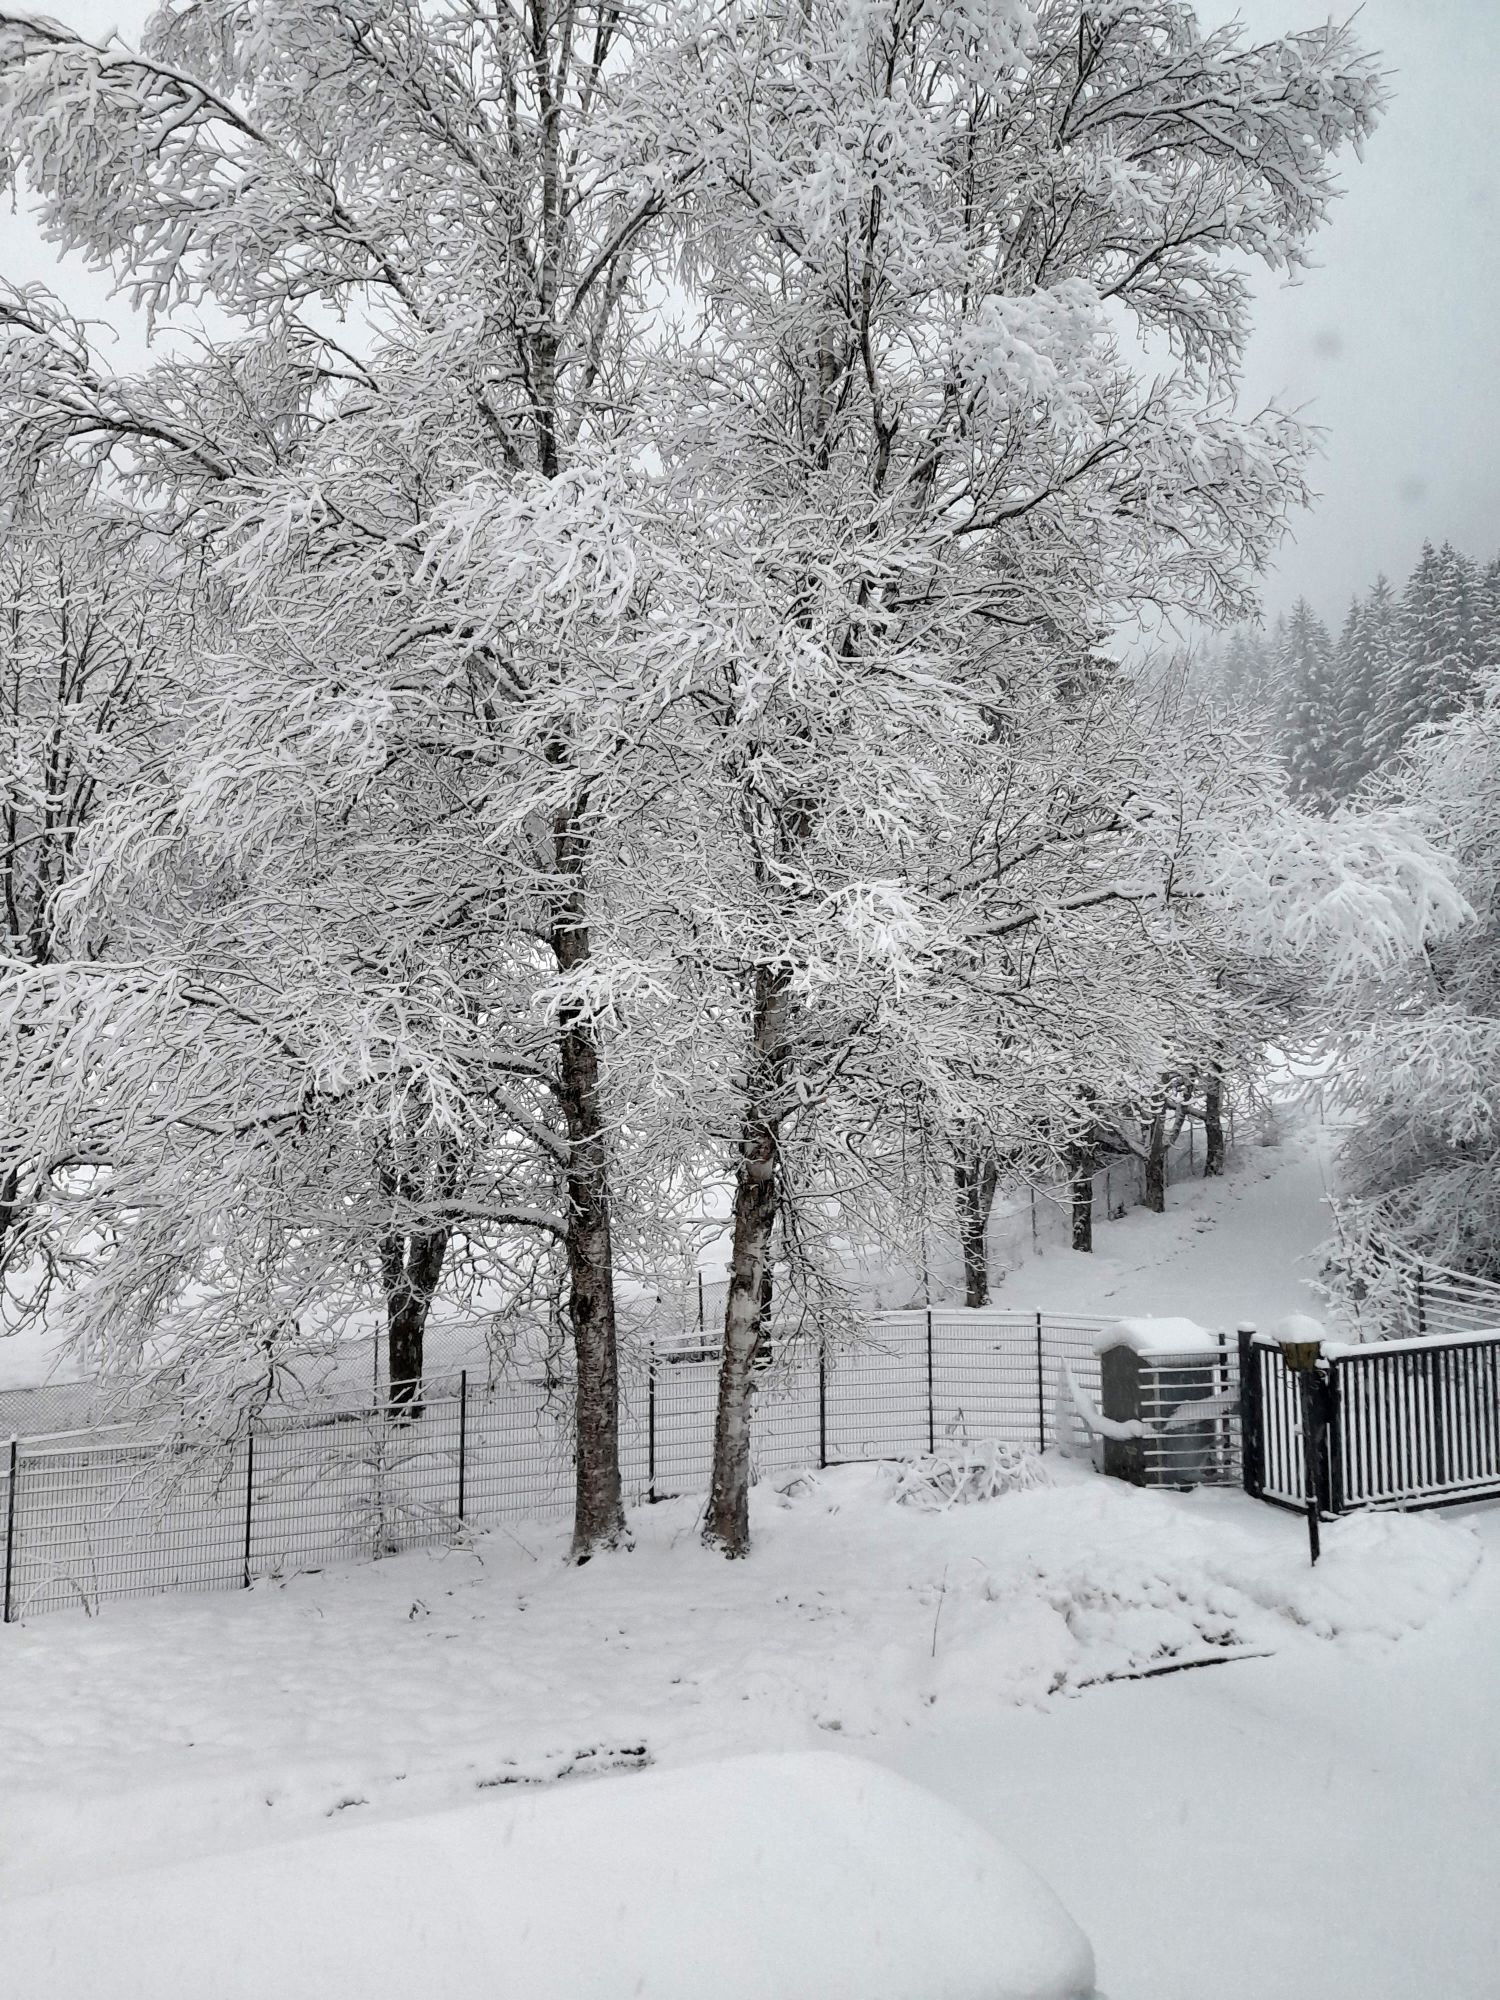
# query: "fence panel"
1410, 1423
126, 1520
103, 1516
878, 1392
682, 1428
1417, 1424
988, 1381
1070, 1342
519, 1450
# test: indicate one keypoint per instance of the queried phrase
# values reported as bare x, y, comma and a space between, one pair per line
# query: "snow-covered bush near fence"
961, 1473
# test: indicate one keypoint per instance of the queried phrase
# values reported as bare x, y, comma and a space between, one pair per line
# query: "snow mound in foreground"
795, 1877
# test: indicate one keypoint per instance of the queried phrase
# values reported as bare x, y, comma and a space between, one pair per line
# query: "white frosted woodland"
637, 719
1423, 1050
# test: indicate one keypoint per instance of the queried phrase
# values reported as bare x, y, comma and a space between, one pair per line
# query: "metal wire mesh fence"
117, 1514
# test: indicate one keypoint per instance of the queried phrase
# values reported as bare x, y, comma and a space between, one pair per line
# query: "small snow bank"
1380, 1575
794, 1877
1157, 1336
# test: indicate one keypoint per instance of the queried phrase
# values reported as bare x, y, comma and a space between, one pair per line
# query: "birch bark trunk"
726, 1523
599, 1509
1213, 1124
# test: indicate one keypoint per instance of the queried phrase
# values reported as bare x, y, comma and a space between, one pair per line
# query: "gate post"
651, 1406
1252, 1421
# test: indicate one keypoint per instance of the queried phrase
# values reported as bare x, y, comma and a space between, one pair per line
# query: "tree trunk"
1213, 1124
10, 1184
1155, 1194
598, 1507
1081, 1186
410, 1266
726, 1524
975, 1177
411, 1263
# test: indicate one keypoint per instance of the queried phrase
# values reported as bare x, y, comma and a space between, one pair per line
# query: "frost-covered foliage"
81, 714
1424, 1076
1342, 712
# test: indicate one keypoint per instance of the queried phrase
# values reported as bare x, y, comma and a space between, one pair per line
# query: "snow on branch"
1360, 892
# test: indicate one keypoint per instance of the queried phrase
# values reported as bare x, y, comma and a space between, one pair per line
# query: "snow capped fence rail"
105, 1515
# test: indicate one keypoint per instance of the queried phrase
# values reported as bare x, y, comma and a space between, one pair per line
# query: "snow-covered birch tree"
936, 246
430, 223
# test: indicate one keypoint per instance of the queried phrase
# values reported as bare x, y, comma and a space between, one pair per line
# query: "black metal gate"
1409, 1423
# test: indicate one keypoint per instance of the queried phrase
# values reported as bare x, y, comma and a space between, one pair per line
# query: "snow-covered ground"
1310, 1814
1244, 1248
1311, 1817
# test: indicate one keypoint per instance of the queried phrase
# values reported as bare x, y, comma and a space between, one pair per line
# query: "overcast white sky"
1392, 345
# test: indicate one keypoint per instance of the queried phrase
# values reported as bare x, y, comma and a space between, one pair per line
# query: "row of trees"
1422, 1070
1343, 710
586, 691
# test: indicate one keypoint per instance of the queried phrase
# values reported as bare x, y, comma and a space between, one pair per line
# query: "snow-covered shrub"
961, 1473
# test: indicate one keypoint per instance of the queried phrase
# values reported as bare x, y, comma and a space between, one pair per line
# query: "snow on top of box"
1157, 1336
811, 1877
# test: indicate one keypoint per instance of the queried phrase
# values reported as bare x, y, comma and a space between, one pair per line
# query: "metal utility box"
1151, 1373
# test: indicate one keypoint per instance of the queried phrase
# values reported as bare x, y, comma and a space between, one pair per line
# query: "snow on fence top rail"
1352, 1350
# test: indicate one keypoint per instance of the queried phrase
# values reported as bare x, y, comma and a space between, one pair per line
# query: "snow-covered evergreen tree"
1370, 651
1312, 724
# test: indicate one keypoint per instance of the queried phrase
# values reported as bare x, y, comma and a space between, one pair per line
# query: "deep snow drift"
811, 1877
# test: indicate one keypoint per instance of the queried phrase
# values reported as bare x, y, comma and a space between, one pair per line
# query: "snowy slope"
1244, 1248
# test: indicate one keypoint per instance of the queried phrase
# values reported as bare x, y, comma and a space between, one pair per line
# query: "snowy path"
1242, 1248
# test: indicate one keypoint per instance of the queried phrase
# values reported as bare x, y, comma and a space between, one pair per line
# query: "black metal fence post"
249, 1492
10, 1524
651, 1408
1252, 1417
931, 1413
822, 1408
1041, 1391
463, 1435
1308, 1401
